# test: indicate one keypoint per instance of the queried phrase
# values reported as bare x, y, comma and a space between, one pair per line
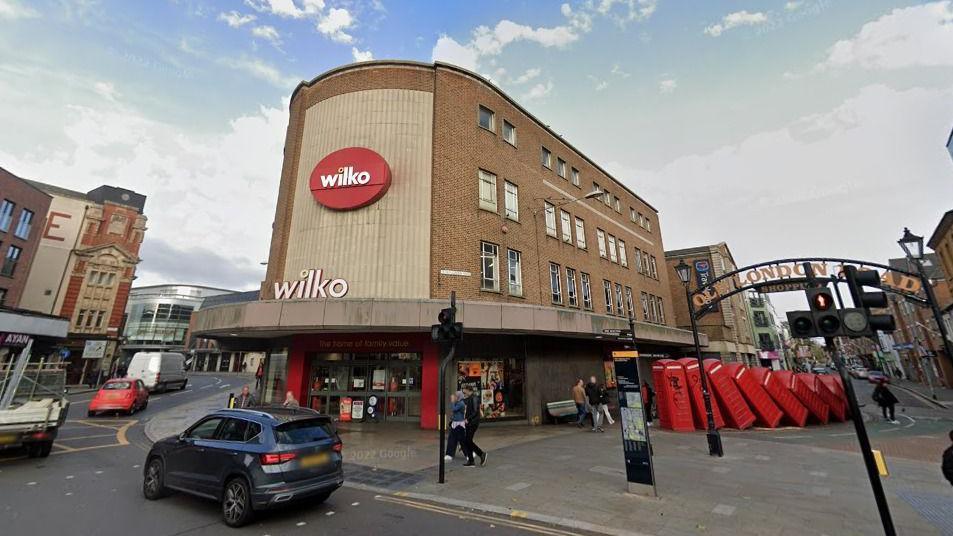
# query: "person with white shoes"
886, 400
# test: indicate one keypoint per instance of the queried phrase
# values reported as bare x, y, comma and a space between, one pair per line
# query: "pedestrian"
290, 400
592, 397
948, 461
603, 407
258, 375
458, 426
246, 399
473, 415
648, 398
579, 397
886, 400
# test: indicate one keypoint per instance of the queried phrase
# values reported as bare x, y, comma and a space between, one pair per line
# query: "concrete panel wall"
49, 274
382, 250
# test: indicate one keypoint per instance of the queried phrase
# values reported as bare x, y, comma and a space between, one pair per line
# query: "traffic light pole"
872, 473
441, 392
715, 448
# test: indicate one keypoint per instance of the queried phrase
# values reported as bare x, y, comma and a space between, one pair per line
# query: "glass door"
360, 387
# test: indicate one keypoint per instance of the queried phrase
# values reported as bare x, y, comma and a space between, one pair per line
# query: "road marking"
762, 458
69, 477
842, 435
355, 504
61, 439
31, 483
912, 421
821, 474
224, 386
181, 392
98, 472
790, 437
723, 509
301, 523
64, 447
209, 386
518, 486
330, 513
461, 514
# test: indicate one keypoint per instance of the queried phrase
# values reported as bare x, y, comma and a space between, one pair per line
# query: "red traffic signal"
820, 299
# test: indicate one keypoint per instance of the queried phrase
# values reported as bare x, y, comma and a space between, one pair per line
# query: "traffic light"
863, 301
827, 321
802, 324
447, 328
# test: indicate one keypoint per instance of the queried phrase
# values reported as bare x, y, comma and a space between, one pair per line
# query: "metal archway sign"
787, 275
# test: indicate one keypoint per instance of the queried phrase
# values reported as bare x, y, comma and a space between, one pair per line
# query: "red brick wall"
25, 196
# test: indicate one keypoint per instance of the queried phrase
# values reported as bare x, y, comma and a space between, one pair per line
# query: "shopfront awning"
281, 318
32, 324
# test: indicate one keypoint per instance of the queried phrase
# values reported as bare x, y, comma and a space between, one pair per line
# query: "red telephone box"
690, 365
832, 400
794, 411
811, 400
834, 384
672, 397
733, 405
766, 411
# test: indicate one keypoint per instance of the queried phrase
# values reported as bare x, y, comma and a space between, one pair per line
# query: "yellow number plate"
313, 460
8, 439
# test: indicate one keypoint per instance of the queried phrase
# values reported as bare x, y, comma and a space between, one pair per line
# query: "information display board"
636, 446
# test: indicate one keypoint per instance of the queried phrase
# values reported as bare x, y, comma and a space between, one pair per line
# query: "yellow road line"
121, 434
64, 447
61, 439
539, 529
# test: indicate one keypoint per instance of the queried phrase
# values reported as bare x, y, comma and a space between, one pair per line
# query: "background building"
466, 191
766, 330
730, 337
23, 209
84, 268
207, 354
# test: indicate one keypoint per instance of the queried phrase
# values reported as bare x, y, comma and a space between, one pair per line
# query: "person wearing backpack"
473, 415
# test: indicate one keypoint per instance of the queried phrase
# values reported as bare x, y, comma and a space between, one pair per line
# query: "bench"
561, 409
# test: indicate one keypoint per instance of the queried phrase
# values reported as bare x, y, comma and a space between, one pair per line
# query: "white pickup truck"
37, 409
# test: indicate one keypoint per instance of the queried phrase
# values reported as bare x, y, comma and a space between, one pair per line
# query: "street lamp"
913, 247
684, 273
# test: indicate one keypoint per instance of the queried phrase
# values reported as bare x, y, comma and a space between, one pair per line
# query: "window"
607, 291
641, 220
110, 279
550, 219
654, 268
619, 307
623, 260
546, 158
10, 262
26, 221
233, 430
575, 177
6, 214
632, 216
571, 287
645, 306
80, 318
555, 283
648, 225
511, 201
612, 252
487, 190
509, 133
586, 291
99, 319
628, 301
205, 429
595, 186
607, 198
646, 267
566, 222
516, 272
638, 260
580, 233
617, 205
489, 260
485, 118
601, 238
89, 319
661, 312
561, 167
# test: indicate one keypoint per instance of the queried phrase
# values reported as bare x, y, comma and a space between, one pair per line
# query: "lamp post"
913, 246
684, 272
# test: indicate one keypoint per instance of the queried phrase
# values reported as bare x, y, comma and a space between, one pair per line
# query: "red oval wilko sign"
350, 178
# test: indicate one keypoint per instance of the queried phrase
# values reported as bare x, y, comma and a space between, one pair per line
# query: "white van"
158, 370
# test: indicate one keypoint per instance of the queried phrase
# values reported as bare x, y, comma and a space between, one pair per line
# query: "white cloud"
361, 55
334, 24
488, 42
12, 10
599, 84
734, 20
207, 192
914, 36
236, 19
637, 9
617, 71
449, 50
538, 91
260, 69
793, 6
268, 33
106, 90
527, 76
667, 85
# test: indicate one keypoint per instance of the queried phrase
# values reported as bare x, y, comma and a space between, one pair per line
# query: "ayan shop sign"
789, 274
349, 179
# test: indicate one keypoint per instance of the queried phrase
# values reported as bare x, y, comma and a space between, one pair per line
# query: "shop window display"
499, 383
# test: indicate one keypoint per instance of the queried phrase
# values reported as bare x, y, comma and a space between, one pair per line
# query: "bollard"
231, 401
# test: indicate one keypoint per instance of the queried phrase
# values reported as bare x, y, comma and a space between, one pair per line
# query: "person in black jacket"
592, 398
948, 461
474, 412
886, 400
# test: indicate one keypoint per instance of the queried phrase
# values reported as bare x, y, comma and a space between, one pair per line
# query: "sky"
784, 128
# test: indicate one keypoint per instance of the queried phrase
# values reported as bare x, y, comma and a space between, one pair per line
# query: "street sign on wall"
94, 350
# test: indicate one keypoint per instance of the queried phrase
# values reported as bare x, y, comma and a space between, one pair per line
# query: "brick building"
728, 326
23, 210
84, 268
463, 190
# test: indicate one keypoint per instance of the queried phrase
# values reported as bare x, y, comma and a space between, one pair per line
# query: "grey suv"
249, 459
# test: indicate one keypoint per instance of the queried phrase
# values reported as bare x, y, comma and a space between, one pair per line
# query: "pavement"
944, 396
769, 482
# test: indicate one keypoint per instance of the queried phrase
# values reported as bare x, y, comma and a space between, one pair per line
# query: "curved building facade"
405, 181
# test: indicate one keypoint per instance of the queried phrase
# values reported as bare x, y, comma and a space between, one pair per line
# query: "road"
91, 484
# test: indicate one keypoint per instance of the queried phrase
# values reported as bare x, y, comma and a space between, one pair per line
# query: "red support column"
297, 372
430, 364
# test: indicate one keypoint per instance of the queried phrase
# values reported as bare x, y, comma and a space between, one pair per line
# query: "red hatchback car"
127, 395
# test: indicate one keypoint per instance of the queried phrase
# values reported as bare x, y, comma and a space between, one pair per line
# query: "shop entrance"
365, 387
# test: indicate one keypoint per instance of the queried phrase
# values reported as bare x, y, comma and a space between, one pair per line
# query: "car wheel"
90, 413
236, 503
33, 450
45, 448
153, 482
184, 384
144, 405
